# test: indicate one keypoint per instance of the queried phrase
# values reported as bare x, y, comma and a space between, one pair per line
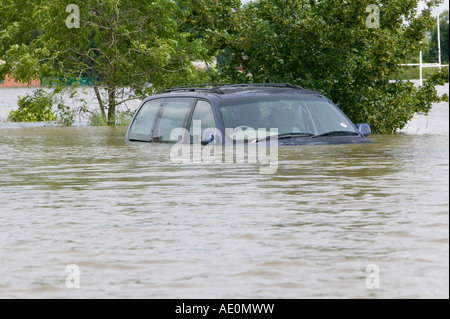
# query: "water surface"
138, 226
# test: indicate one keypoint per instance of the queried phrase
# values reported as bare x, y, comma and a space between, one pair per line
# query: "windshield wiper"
284, 136
337, 133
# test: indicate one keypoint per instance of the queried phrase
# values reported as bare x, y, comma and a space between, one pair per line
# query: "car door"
201, 120
172, 116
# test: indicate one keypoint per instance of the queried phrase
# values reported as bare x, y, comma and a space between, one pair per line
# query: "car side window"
173, 117
202, 119
142, 126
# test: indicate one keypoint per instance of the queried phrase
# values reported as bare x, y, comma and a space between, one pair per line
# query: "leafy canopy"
126, 48
328, 46
129, 49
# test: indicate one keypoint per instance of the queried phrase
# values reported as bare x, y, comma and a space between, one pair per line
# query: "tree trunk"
112, 106
100, 102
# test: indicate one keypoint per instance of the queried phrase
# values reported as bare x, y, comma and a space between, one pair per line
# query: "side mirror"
211, 135
364, 129
207, 137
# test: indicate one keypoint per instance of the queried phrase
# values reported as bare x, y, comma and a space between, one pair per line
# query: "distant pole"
419, 9
420, 68
439, 41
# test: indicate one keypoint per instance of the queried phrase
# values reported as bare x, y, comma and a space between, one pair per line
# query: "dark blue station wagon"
243, 113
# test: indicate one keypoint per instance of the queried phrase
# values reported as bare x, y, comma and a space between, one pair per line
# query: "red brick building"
6, 82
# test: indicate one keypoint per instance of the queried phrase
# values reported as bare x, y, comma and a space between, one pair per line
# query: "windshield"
297, 117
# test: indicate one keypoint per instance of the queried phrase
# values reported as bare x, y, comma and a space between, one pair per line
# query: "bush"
97, 119
123, 118
34, 108
413, 73
39, 107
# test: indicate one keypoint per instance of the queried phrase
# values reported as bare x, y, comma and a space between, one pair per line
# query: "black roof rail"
278, 85
193, 88
218, 88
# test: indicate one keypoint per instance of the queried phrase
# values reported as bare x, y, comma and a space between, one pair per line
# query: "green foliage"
64, 113
136, 45
123, 118
130, 49
395, 103
34, 108
96, 119
210, 21
42, 106
413, 73
327, 46
431, 54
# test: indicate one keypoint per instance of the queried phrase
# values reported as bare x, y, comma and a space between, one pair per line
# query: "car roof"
231, 91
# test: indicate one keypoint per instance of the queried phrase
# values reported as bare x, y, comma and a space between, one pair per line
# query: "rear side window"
173, 116
142, 127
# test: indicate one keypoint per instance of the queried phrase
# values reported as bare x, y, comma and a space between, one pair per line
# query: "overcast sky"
442, 7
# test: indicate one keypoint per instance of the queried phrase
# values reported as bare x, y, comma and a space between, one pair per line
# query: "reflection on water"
139, 226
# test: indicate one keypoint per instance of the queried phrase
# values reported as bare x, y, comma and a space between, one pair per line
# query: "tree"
213, 21
431, 55
346, 50
126, 48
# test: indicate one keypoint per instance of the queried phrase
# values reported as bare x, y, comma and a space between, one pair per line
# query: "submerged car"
243, 113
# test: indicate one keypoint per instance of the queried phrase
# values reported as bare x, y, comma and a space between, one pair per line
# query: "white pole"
420, 68
420, 4
439, 41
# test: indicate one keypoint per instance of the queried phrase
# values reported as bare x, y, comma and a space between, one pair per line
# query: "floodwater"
85, 215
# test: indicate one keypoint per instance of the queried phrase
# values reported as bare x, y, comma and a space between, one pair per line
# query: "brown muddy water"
85, 215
